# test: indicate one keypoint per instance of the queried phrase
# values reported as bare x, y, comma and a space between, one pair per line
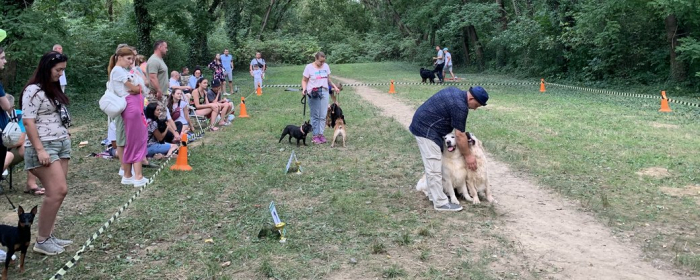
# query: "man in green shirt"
158, 72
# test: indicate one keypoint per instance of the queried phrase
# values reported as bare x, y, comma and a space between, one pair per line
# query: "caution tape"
416, 84
637, 95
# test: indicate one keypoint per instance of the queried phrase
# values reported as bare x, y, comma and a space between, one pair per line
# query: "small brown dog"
339, 130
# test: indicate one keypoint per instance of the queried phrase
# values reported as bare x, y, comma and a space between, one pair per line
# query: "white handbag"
12, 132
111, 103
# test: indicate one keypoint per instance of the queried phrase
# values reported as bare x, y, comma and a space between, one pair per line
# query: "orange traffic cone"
542, 86
181, 163
243, 112
664, 103
391, 88
259, 90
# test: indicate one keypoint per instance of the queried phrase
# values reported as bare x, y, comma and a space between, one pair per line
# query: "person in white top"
62, 80
314, 84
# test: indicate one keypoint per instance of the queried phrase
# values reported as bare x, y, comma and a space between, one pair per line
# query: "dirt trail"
553, 234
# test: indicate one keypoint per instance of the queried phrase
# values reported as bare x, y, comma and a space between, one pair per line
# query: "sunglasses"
59, 57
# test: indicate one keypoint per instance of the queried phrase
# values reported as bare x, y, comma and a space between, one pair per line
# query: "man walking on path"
62, 80
448, 64
439, 63
441, 114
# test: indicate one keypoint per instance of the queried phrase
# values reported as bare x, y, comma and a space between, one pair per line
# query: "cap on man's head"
479, 94
3, 35
445, 49
215, 83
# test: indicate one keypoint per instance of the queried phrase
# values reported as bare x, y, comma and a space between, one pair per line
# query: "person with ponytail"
134, 134
48, 144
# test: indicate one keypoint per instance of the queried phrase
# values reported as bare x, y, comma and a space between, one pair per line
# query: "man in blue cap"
441, 114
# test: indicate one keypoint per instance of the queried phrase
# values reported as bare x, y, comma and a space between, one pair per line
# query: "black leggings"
169, 137
438, 69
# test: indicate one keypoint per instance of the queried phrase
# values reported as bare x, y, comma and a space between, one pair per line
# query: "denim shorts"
57, 149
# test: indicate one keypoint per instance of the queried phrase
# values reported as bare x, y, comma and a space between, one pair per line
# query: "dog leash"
303, 101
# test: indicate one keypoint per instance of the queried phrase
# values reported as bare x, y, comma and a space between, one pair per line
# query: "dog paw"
476, 200
490, 199
454, 201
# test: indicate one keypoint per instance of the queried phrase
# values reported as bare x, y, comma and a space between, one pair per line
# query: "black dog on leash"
426, 74
334, 113
297, 132
17, 238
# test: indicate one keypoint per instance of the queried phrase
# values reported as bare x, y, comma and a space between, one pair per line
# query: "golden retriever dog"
339, 130
456, 175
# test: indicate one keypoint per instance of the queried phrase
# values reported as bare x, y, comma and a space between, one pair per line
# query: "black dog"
17, 238
297, 132
334, 112
426, 74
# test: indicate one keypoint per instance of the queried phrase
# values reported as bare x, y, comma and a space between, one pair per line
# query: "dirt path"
551, 231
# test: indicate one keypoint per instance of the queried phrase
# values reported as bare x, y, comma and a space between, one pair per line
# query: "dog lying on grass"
455, 174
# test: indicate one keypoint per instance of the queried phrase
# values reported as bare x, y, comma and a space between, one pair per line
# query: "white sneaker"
121, 172
127, 181
141, 183
4, 173
226, 93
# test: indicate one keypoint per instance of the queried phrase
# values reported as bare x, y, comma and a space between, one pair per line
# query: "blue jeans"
318, 108
157, 148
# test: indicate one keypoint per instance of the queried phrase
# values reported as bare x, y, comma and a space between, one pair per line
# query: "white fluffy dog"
456, 175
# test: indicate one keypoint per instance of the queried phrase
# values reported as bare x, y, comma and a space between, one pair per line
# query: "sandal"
214, 128
36, 191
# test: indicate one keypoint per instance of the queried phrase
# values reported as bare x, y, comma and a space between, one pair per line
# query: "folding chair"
197, 118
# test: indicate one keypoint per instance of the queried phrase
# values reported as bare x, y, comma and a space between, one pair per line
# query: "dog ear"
20, 210
34, 210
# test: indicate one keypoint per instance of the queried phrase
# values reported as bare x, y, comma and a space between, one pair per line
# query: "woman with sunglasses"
48, 145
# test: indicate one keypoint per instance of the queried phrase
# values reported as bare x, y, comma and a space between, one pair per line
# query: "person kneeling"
157, 129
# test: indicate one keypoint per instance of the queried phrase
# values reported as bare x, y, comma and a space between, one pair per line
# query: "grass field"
353, 213
591, 147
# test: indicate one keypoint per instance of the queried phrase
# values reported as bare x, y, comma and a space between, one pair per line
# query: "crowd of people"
155, 119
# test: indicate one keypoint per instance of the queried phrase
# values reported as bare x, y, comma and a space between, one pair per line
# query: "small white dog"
456, 175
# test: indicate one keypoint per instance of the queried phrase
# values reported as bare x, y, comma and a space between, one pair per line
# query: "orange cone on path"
181, 163
664, 103
542, 86
391, 88
243, 113
259, 90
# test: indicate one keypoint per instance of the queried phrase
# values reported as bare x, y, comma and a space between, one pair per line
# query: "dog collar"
302, 130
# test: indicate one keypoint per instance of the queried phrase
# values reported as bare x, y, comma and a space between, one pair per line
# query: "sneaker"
322, 138
5, 173
449, 207
127, 181
226, 93
121, 171
141, 183
48, 247
61, 242
316, 140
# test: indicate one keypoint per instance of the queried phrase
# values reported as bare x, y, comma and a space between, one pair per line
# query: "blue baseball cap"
445, 49
479, 94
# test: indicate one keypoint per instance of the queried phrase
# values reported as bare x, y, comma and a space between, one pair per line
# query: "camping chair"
197, 118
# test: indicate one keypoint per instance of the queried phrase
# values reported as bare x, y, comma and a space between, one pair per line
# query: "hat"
3, 35
479, 94
445, 49
215, 83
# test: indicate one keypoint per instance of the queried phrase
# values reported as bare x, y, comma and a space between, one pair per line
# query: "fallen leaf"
225, 264
209, 240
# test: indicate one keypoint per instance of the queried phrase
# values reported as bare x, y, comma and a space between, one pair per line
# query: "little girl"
179, 111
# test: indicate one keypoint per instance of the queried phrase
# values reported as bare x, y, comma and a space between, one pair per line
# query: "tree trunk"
110, 10
267, 16
144, 25
479, 50
516, 9
530, 9
678, 71
432, 36
397, 20
281, 14
501, 51
465, 47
